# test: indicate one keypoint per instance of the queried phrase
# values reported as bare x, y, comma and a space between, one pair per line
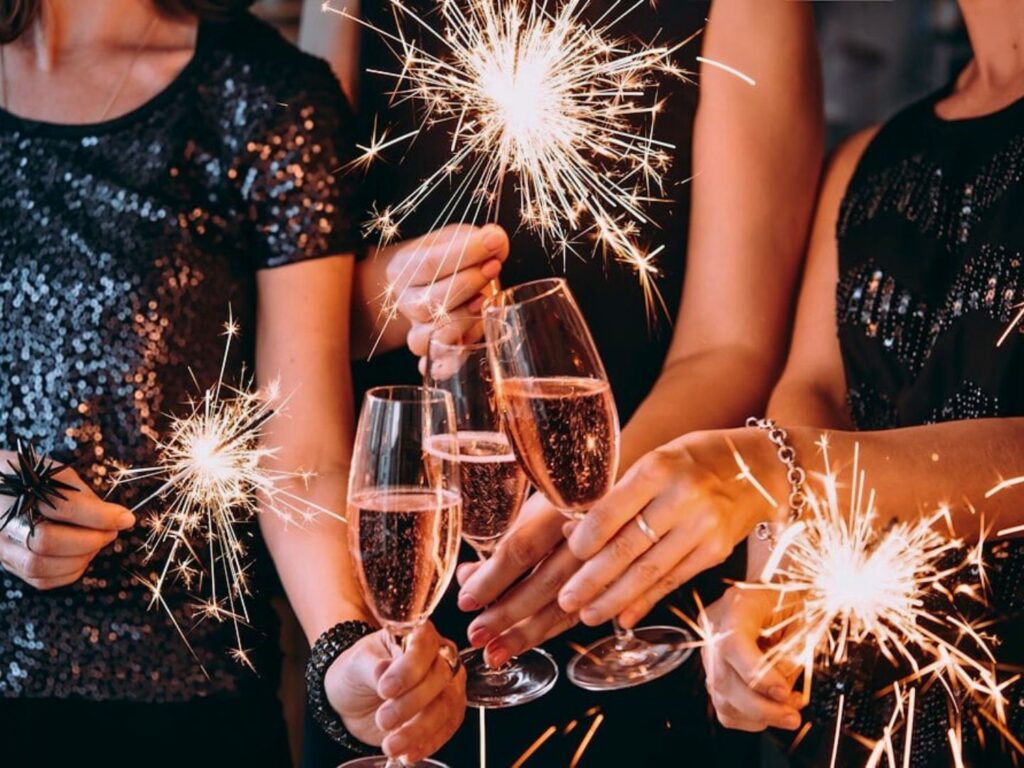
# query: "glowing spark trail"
532, 90
213, 479
858, 582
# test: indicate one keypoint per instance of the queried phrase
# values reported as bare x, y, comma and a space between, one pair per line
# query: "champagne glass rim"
409, 393
556, 284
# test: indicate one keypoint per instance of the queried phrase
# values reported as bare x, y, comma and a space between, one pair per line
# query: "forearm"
312, 557
797, 403
713, 389
374, 327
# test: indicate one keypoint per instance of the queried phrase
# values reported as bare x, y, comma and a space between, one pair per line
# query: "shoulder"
248, 61
844, 162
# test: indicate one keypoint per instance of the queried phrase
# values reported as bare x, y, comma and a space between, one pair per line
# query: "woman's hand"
61, 547
692, 496
747, 696
444, 275
520, 614
410, 705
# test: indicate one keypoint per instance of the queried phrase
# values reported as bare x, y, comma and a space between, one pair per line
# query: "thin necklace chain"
120, 84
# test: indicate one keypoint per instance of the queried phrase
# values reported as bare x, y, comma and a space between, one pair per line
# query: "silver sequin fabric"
931, 266
122, 247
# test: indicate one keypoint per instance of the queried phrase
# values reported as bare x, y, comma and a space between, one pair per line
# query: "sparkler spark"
856, 582
532, 90
213, 478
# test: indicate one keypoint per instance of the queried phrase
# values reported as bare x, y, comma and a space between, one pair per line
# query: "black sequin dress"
122, 246
931, 246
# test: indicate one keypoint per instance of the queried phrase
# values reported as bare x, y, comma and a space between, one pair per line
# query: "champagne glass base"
523, 679
380, 761
611, 664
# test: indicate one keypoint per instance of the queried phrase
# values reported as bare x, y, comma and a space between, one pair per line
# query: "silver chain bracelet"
795, 475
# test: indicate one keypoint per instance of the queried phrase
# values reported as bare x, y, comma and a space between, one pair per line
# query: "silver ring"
645, 528
18, 531
450, 654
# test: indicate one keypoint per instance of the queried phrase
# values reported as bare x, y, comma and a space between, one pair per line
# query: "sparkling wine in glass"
557, 402
404, 514
494, 487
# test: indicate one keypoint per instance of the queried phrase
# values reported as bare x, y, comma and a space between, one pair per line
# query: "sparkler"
213, 478
856, 582
533, 90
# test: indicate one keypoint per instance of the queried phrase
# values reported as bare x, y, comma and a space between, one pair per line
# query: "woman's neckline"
71, 130
970, 120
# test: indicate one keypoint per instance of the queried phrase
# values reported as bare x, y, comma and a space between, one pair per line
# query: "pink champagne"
565, 431
493, 485
405, 543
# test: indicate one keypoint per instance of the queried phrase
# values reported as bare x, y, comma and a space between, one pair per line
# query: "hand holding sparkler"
442, 276
66, 540
677, 512
411, 705
746, 695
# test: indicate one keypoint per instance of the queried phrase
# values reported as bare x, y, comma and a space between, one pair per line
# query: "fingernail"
491, 269
590, 617
496, 655
468, 603
477, 304
395, 746
791, 722
494, 238
388, 687
387, 717
569, 527
381, 668
779, 693
480, 636
125, 520
569, 601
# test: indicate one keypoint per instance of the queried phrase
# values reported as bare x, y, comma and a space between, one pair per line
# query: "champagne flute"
559, 409
494, 487
404, 515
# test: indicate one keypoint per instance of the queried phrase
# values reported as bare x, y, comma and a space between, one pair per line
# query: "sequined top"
122, 246
931, 243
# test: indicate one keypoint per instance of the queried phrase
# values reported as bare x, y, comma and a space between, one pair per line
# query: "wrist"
326, 651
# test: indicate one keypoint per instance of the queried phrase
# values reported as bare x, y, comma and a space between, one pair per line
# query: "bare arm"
757, 156
302, 343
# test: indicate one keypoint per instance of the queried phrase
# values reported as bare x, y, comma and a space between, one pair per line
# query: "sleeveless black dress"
931, 245
666, 719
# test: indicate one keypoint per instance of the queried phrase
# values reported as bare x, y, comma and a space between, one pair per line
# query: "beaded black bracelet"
327, 648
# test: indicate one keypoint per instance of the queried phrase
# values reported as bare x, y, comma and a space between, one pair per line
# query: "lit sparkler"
533, 90
213, 479
857, 582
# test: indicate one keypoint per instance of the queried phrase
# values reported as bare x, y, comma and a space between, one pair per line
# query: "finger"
418, 338
465, 570
409, 669
395, 712
746, 659
642, 483
529, 542
628, 546
549, 622
56, 540
90, 513
441, 254
44, 585
659, 572
525, 599
750, 705
732, 718
28, 565
431, 728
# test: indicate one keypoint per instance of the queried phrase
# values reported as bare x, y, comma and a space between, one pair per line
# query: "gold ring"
645, 528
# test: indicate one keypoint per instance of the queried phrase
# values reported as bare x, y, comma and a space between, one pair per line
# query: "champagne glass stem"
484, 555
397, 645
624, 638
